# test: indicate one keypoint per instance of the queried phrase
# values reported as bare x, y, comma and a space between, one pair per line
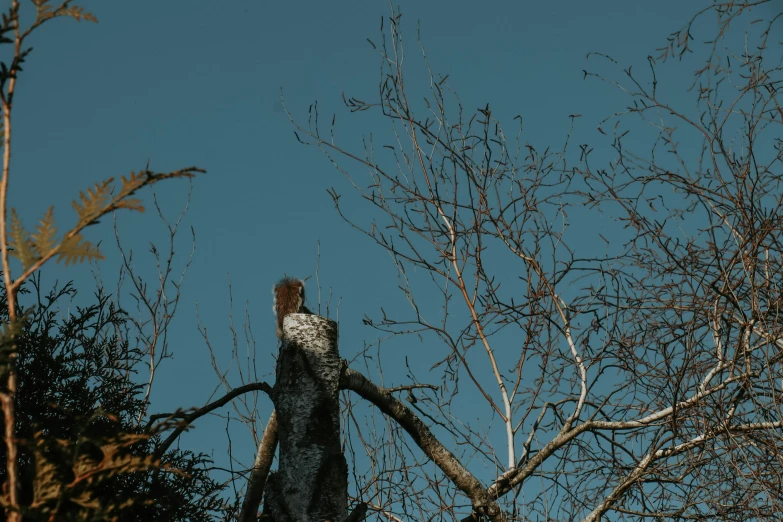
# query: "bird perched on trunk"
289, 299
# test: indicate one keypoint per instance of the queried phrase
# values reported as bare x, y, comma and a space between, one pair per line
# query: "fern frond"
46, 12
116, 459
134, 182
47, 487
46, 231
93, 204
130, 204
23, 247
78, 14
76, 249
147, 177
88, 473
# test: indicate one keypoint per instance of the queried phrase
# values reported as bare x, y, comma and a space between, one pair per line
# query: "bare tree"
154, 305
634, 380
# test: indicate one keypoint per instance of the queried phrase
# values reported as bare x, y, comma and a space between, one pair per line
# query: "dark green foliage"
83, 455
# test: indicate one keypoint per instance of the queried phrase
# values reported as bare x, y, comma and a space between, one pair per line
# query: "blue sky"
198, 82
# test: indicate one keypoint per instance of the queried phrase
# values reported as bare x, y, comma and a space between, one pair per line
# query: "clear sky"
198, 82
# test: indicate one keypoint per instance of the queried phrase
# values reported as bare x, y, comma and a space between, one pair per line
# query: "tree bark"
483, 504
261, 466
311, 483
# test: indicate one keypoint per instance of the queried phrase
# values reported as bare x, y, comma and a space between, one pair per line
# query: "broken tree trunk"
311, 483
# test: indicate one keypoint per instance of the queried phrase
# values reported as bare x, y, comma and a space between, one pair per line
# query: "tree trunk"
311, 483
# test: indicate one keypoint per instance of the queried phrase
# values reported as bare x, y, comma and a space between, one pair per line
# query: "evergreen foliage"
82, 454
